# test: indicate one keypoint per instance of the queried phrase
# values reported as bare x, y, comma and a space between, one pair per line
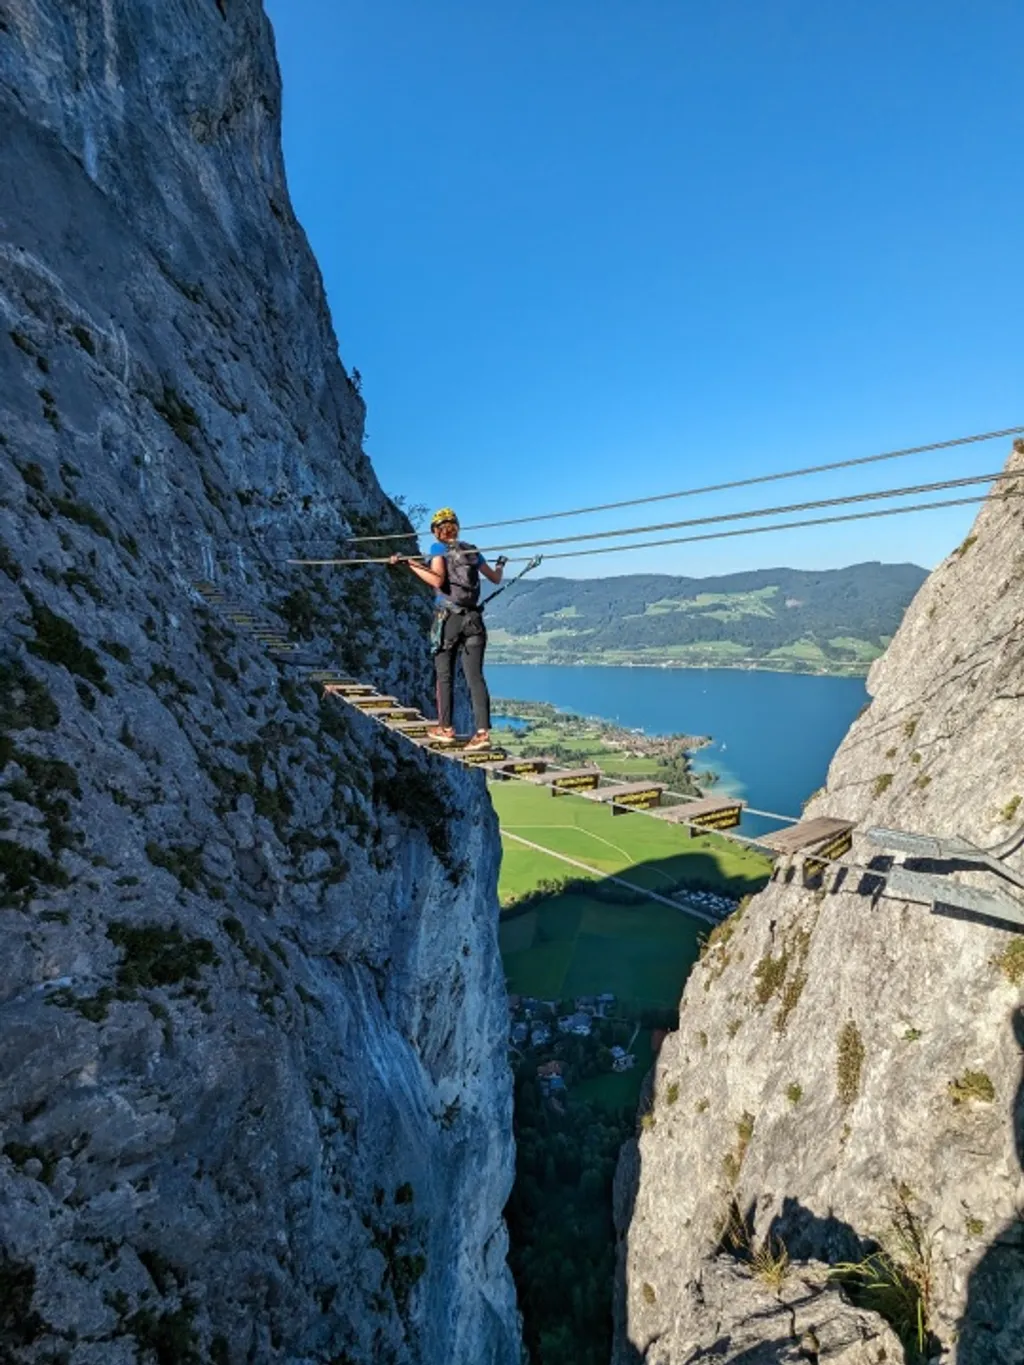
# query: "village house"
549, 1076
621, 1059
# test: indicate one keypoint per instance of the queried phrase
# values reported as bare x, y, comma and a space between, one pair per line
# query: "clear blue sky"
584, 250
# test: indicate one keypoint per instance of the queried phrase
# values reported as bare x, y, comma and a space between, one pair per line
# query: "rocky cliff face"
253, 1096
846, 1082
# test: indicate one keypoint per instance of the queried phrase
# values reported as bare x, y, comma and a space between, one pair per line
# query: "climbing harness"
437, 629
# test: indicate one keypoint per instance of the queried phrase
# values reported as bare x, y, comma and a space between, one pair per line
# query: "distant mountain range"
833, 621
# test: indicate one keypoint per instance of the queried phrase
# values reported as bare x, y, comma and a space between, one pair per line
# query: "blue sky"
584, 250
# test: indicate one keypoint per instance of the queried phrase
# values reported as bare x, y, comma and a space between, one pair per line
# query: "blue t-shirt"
440, 549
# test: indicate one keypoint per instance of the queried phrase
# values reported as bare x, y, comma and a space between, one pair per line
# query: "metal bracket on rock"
937, 888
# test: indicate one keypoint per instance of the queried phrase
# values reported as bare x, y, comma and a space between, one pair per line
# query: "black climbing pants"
463, 632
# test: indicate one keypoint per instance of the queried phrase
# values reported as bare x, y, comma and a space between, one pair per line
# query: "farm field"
575, 944
640, 849
579, 946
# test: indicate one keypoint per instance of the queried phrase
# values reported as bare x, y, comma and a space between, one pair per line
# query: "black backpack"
463, 575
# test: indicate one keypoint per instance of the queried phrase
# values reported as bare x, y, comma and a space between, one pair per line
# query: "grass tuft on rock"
58, 642
23, 871
849, 1063
20, 1325
158, 956
25, 702
972, 1085
1011, 961
178, 413
84, 515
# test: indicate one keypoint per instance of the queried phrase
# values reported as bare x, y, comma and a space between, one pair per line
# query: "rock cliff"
254, 1103
845, 1087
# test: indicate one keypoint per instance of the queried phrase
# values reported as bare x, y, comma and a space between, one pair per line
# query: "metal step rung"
955, 849
923, 845
930, 888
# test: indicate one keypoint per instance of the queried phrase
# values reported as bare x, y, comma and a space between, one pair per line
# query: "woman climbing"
454, 573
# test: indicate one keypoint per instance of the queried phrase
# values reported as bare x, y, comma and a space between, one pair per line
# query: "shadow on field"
632, 935
667, 877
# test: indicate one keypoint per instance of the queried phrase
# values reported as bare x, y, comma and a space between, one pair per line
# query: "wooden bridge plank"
805, 834
708, 812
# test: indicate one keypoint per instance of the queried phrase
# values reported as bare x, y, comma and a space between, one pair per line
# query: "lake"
774, 733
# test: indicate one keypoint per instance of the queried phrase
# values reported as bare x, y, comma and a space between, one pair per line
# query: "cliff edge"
832, 1159
254, 1102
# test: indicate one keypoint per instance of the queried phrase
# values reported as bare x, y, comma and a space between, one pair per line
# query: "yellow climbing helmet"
443, 514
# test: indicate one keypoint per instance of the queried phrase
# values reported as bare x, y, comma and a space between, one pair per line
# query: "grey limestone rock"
847, 1073
254, 1101
736, 1318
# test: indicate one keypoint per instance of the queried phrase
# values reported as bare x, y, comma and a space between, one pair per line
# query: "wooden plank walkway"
821, 840
626, 796
709, 812
518, 767
808, 834
562, 780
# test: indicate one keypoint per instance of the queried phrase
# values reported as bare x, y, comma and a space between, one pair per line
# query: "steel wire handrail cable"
756, 512
715, 487
787, 525
732, 516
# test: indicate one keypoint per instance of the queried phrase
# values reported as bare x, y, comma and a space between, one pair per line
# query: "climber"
454, 573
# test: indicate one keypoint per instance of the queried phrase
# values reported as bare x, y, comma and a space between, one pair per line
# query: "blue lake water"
774, 733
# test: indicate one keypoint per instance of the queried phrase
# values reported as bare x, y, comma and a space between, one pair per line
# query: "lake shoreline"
671, 666
774, 731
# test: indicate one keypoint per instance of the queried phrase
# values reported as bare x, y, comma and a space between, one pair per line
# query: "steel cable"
714, 487
740, 531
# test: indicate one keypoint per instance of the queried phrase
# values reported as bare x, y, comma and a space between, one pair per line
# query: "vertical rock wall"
253, 1096
846, 1080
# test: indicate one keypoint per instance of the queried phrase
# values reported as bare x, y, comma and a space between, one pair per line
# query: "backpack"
463, 576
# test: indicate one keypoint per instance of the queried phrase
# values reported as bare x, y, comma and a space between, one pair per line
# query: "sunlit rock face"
254, 1103
847, 1074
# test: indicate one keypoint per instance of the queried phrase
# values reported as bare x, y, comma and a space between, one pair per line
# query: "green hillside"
835, 621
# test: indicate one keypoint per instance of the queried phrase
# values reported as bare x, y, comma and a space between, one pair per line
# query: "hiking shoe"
440, 734
481, 740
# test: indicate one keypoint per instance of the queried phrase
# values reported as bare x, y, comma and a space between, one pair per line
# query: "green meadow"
574, 944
